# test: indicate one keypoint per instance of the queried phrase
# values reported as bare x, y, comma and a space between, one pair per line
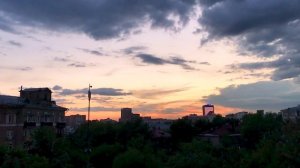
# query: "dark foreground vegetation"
265, 141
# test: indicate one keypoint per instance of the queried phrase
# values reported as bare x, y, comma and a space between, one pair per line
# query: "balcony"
60, 125
49, 124
29, 124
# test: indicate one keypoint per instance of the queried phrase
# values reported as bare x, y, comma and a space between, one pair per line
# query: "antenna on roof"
21, 88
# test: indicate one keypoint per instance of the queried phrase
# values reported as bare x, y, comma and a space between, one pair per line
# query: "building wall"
24, 121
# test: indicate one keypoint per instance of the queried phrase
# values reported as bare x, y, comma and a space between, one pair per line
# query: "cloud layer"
269, 95
268, 28
100, 19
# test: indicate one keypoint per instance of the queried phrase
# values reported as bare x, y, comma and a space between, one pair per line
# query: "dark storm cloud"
100, 19
285, 67
4, 26
269, 95
96, 91
233, 17
151, 59
263, 28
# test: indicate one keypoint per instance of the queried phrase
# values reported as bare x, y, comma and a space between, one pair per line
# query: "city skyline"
163, 59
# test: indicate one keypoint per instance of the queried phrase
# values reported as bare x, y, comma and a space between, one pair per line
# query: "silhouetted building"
19, 116
193, 117
159, 127
74, 121
107, 120
292, 113
208, 109
238, 115
127, 115
261, 112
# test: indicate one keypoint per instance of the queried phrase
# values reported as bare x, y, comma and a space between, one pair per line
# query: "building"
291, 114
238, 115
208, 109
19, 116
159, 127
74, 121
127, 115
192, 117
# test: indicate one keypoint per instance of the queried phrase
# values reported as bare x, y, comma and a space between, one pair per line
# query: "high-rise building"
127, 115
208, 109
19, 116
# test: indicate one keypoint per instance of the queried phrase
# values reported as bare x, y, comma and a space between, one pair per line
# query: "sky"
163, 58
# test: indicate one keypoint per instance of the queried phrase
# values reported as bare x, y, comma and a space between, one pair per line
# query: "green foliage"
16, 158
258, 126
182, 130
43, 141
3, 152
268, 143
103, 155
126, 131
195, 154
202, 125
136, 159
218, 121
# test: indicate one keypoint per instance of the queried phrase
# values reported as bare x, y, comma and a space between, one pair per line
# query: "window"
10, 118
30, 117
47, 117
9, 135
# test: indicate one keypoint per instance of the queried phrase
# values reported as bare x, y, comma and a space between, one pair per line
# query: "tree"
43, 141
104, 155
17, 158
195, 154
182, 130
257, 126
133, 158
202, 125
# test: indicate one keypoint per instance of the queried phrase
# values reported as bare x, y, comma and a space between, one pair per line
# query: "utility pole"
88, 150
89, 107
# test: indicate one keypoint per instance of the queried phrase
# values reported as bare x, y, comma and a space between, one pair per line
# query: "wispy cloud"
72, 63
95, 91
60, 59
14, 43
16, 68
96, 109
93, 52
155, 93
80, 65
154, 60
133, 49
57, 87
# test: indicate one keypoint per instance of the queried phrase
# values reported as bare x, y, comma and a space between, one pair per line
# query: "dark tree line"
264, 141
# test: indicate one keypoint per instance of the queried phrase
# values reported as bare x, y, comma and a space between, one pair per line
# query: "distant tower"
126, 114
208, 109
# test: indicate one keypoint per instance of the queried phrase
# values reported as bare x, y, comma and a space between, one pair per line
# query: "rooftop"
10, 100
36, 89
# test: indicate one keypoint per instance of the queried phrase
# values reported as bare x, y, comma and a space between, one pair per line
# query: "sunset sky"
163, 58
